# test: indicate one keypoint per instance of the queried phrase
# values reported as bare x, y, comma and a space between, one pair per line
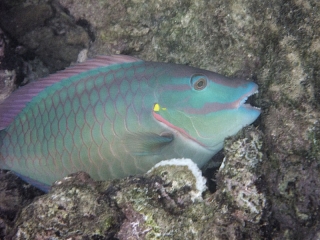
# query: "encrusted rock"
14, 195
150, 207
239, 175
45, 30
178, 177
74, 208
7, 83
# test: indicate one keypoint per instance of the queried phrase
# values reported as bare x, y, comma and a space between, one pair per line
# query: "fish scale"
99, 117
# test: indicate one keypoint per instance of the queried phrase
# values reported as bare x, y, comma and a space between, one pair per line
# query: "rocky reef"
268, 185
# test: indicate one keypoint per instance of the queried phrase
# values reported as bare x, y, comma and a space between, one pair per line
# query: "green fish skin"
115, 116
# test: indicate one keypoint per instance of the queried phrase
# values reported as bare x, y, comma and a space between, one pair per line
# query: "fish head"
204, 107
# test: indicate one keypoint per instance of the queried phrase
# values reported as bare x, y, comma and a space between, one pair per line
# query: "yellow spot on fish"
157, 108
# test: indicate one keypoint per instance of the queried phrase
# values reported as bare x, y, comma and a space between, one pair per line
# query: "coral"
134, 208
73, 208
238, 176
182, 177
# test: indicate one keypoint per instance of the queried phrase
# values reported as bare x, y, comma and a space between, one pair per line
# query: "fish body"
116, 116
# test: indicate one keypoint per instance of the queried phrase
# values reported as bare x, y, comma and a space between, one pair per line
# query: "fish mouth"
246, 100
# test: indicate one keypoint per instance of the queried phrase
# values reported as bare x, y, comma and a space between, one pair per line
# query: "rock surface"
14, 195
44, 30
276, 43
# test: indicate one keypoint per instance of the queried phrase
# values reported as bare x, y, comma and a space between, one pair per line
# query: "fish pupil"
200, 84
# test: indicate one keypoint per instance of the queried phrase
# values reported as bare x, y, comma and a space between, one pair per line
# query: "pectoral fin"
142, 144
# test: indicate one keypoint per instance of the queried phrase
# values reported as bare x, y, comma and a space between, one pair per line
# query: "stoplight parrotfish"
115, 116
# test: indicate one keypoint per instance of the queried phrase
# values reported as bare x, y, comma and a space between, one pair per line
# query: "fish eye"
199, 82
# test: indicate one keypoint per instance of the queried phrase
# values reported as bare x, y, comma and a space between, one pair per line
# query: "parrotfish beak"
251, 112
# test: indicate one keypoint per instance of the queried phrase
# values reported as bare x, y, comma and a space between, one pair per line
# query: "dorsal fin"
13, 105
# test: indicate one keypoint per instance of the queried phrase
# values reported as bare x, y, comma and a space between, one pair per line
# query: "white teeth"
242, 103
250, 106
